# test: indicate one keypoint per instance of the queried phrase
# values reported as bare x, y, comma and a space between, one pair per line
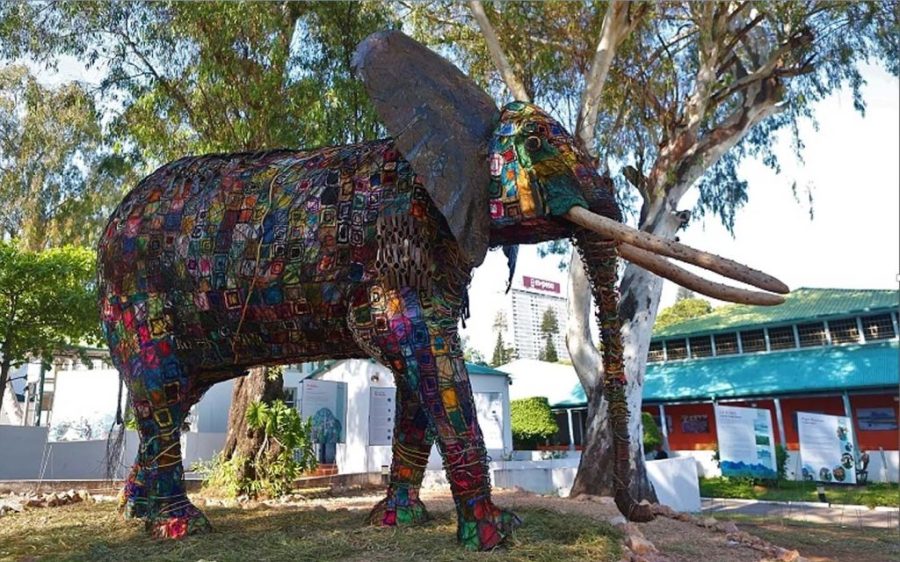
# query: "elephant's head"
517, 176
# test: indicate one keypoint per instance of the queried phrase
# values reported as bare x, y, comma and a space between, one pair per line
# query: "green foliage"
287, 452
549, 327
55, 180
781, 460
502, 353
652, 433
532, 422
48, 304
872, 494
684, 309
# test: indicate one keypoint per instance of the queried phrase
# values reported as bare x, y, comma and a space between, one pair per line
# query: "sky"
850, 164
852, 167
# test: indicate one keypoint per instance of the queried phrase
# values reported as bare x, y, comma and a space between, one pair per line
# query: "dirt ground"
324, 525
687, 542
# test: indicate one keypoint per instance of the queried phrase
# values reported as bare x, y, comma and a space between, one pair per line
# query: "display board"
489, 408
326, 403
382, 404
827, 451
746, 442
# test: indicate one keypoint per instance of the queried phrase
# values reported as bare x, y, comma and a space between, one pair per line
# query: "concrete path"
843, 515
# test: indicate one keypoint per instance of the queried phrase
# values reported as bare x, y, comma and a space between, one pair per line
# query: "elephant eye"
533, 144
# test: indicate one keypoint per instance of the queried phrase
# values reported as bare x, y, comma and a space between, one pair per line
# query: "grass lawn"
87, 531
820, 543
872, 494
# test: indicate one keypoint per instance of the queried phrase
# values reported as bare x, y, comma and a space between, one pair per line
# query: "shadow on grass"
96, 532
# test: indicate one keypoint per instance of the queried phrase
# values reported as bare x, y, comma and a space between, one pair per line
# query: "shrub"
532, 422
652, 434
287, 452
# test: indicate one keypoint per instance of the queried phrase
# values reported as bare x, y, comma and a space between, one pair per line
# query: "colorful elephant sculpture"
214, 264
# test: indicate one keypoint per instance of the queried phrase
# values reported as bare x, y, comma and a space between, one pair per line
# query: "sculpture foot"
178, 522
632, 510
402, 507
487, 525
133, 498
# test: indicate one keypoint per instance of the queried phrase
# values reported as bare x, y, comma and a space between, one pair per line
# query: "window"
878, 327
676, 349
844, 331
753, 340
701, 346
656, 353
812, 334
782, 338
726, 344
290, 396
695, 424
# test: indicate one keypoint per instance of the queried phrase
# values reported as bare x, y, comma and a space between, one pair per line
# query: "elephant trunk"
601, 260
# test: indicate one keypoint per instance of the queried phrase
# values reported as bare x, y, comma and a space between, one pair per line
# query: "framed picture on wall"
876, 419
697, 423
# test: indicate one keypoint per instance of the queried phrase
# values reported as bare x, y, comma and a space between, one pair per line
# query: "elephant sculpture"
214, 264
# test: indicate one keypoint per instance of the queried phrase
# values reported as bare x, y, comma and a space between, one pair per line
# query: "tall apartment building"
527, 303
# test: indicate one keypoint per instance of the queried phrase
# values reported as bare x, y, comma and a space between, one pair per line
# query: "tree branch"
516, 87
616, 26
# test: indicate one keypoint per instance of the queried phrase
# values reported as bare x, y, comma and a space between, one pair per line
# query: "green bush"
532, 422
652, 434
287, 452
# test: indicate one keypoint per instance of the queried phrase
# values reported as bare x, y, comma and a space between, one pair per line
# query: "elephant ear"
442, 123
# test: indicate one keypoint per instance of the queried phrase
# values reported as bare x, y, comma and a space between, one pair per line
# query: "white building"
527, 303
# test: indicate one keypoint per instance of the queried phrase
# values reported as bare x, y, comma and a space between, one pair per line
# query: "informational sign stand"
382, 407
827, 450
326, 403
746, 442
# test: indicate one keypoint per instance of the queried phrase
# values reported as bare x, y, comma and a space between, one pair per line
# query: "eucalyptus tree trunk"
240, 440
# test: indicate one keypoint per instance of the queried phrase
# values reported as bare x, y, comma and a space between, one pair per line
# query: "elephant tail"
115, 440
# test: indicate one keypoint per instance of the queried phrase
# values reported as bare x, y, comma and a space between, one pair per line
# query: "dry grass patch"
95, 532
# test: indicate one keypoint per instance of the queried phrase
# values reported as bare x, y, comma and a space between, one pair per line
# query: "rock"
11, 505
631, 529
320, 509
785, 555
708, 522
639, 545
664, 510
727, 527
617, 520
34, 502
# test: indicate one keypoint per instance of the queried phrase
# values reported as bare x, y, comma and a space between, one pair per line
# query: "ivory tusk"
636, 238
662, 267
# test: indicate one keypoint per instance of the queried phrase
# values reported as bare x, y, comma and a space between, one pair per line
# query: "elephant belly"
247, 259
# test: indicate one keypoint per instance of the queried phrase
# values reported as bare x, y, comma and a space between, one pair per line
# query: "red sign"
540, 284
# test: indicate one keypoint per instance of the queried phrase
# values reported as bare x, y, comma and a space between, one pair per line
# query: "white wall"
27, 455
356, 455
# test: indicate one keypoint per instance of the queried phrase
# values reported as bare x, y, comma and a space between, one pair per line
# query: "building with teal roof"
829, 351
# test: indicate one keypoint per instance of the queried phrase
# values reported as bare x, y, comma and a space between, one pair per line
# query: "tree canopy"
682, 310
47, 304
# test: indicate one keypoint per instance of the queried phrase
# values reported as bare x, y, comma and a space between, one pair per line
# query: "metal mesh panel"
812, 334
726, 344
753, 340
676, 349
844, 331
878, 327
701, 346
782, 338
656, 353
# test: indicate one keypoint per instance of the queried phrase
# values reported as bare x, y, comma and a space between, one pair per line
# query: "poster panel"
326, 403
827, 451
746, 442
382, 403
489, 408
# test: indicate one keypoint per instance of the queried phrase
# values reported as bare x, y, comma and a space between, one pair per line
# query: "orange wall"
833, 405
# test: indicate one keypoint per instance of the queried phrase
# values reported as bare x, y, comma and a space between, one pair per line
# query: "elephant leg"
413, 438
428, 344
162, 393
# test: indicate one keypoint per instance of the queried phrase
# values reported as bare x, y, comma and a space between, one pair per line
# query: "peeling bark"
240, 439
